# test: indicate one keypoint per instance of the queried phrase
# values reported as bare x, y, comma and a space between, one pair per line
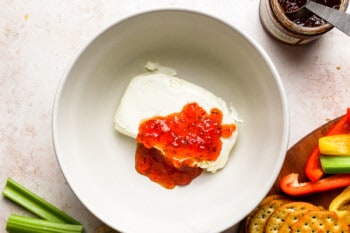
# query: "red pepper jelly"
292, 28
170, 147
311, 20
151, 163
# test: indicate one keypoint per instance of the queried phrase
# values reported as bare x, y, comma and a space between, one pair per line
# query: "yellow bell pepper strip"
313, 169
335, 164
335, 145
290, 185
341, 205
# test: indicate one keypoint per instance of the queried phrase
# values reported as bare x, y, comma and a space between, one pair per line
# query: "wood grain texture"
295, 161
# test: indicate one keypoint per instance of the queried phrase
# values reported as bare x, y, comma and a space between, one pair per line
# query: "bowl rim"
264, 55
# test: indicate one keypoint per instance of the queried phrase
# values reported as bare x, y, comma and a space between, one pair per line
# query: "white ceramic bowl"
98, 163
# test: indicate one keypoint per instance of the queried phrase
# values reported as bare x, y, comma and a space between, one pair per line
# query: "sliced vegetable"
23, 224
343, 125
341, 205
290, 184
313, 169
338, 144
35, 204
335, 164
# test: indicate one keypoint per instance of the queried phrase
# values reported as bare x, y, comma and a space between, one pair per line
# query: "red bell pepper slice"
313, 169
290, 185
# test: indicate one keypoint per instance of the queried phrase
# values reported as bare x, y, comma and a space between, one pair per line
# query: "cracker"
320, 221
292, 218
258, 219
276, 219
267, 199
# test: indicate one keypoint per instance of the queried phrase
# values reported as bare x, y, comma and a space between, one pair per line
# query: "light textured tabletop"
38, 39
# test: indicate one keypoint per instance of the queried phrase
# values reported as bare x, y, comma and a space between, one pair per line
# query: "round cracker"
267, 199
320, 221
276, 219
258, 219
292, 218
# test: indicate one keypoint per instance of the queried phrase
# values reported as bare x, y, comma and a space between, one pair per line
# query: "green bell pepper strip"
335, 164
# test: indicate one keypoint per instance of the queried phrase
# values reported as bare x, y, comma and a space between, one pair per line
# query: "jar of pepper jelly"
291, 30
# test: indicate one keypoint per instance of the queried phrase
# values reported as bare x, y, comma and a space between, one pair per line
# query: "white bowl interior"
98, 163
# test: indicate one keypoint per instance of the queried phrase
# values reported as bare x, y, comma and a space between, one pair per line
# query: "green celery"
23, 224
335, 164
35, 204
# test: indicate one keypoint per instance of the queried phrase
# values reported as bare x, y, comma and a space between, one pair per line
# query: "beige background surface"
39, 38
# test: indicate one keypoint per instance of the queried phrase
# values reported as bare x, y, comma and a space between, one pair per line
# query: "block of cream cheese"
159, 93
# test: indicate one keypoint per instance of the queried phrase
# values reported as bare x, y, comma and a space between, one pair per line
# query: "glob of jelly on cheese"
180, 127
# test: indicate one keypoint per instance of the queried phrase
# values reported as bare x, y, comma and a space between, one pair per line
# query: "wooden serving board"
295, 161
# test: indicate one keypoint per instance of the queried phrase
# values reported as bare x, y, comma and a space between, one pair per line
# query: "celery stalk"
23, 224
35, 204
335, 164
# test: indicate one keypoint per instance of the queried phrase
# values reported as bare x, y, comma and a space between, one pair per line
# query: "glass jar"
275, 21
